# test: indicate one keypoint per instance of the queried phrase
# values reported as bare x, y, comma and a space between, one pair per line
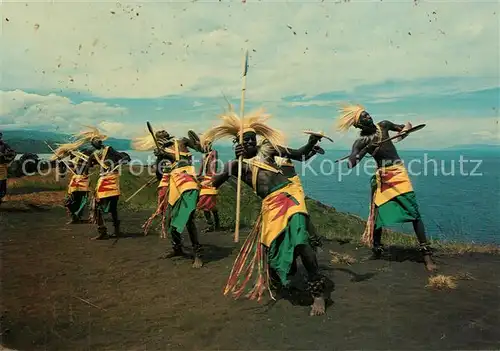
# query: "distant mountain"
475, 147
33, 141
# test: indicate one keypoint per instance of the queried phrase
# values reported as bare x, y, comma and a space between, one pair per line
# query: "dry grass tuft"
464, 276
342, 258
442, 282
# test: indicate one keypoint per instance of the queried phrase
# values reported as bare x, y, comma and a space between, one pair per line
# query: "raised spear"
240, 160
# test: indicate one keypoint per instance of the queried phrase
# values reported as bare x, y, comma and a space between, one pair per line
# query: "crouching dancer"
280, 234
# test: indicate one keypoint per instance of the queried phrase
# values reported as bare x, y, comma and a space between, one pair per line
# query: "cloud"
53, 112
488, 135
157, 49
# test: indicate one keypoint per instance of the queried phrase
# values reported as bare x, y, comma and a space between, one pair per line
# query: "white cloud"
177, 48
19, 109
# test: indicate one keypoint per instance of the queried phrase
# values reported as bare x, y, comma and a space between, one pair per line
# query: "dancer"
163, 169
183, 190
208, 194
79, 184
393, 197
288, 168
7, 155
107, 191
280, 235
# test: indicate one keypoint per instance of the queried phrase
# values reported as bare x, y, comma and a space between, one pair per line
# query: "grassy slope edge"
329, 222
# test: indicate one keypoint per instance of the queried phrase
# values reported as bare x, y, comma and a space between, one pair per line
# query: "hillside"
33, 141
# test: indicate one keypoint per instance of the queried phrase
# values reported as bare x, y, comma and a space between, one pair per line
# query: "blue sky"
117, 66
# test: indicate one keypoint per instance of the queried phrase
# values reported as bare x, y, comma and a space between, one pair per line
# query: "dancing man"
79, 184
393, 197
163, 169
280, 234
7, 155
288, 168
208, 194
183, 190
107, 191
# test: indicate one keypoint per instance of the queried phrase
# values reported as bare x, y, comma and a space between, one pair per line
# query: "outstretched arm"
359, 150
393, 127
190, 143
298, 154
315, 150
230, 168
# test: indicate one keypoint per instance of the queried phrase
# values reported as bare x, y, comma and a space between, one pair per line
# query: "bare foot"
429, 265
318, 307
198, 263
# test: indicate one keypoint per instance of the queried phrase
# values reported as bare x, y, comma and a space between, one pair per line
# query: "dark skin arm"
189, 143
230, 168
388, 125
359, 150
298, 154
315, 151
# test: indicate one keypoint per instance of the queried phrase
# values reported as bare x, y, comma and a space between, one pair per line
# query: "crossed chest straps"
256, 166
177, 153
100, 157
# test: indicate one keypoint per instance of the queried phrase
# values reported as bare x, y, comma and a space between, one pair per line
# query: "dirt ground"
61, 291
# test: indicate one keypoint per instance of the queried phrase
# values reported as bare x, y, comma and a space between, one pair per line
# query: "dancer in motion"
288, 168
78, 186
107, 191
280, 234
208, 194
163, 169
7, 155
183, 190
393, 197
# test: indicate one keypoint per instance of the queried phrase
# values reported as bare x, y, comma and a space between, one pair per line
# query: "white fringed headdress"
81, 138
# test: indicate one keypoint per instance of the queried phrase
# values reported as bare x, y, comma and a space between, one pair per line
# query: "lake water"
458, 192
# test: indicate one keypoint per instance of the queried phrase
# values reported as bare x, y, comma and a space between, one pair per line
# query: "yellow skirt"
392, 181
181, 179
108, 186
78, 183
277, 208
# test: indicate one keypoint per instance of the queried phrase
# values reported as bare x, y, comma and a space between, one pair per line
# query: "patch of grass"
29, 184
442, 282
342, 258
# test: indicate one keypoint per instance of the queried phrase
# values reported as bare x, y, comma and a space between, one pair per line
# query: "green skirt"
182, 210
281, 253
401, 209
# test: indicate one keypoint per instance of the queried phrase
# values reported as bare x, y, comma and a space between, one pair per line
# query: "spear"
51, 149
149, 182
240, 160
